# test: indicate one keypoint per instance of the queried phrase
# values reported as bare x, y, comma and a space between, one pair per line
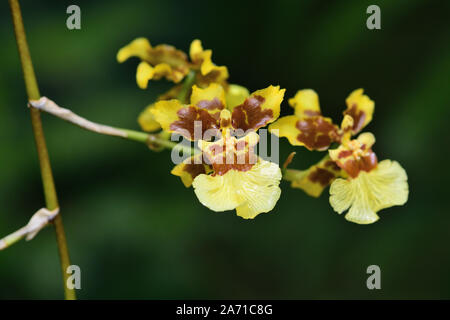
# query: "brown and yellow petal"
186, 120
211, 98
189, 169
315, 133
170, 55
356, 155
196, 51
209, 72
157, 62
258, 110
316, 178
360, 107
346, 130
305, 103
216, 75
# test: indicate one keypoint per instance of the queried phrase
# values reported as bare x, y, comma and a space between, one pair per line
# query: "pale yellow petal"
260, 189
249, 192
369, 192
218, 193
139, 47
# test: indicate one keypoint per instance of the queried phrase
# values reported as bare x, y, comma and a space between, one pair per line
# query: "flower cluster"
223, 120
358, 182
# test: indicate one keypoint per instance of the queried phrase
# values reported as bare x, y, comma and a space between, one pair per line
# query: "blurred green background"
137, 232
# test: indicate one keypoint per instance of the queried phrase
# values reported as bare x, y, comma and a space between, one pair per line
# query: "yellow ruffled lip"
370, 192
250, 193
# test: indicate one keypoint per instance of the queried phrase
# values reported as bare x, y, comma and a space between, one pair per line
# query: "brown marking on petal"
369, 161
194, 169
316, 133
214, 104
164, 53
332, 165
216, 115
220, 165
358, 116
212, 76
221, 169
188, 116
311, 113
223, 160
345, 154
321, 176
249, 115
241, 145
353, 166
225, 123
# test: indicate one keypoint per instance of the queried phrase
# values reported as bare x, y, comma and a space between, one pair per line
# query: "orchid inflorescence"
226, 173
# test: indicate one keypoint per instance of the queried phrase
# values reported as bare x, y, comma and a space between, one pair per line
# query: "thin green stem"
44, 162
186, 86
156, 140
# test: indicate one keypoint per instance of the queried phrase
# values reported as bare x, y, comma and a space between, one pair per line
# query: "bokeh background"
134, 229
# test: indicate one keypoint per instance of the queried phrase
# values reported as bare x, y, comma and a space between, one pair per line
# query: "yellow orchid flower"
370, 186
209, 72
227, 174
307, 127
165, 61
358, 182
161, 61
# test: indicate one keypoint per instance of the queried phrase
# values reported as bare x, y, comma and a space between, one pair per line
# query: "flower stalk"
46, 105
32, 89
